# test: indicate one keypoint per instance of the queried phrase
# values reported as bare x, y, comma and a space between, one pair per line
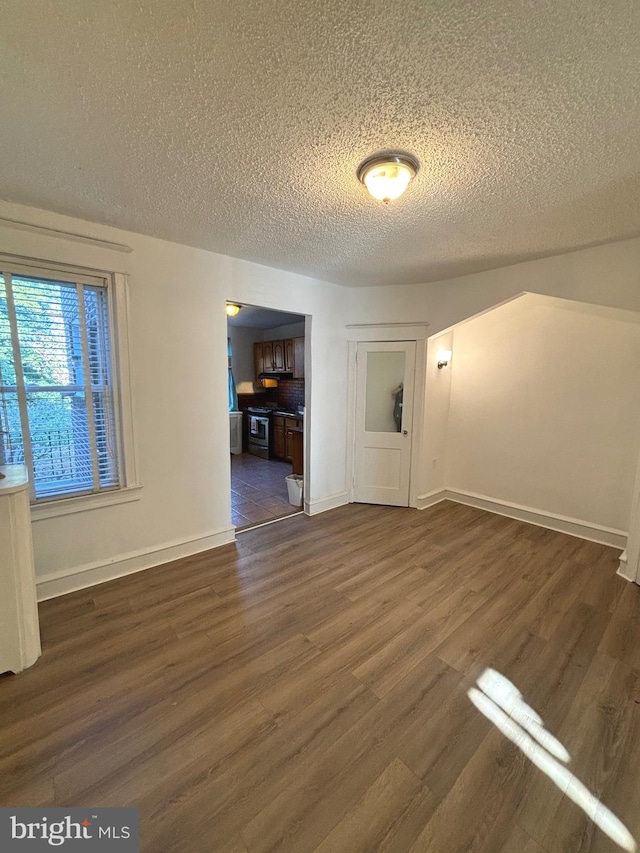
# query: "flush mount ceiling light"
232, 309
387, 175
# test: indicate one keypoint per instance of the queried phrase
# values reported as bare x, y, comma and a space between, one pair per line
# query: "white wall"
179, 362
545, 408
436, 415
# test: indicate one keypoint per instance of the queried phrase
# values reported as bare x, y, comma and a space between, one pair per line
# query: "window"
59, 406
233, 396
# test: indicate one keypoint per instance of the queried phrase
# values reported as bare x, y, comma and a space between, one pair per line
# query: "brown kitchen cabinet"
258, 359
298, 357
279, 449
294, 357
289, 356
287, 438
295, 442
291, 426
278, 356
269, 357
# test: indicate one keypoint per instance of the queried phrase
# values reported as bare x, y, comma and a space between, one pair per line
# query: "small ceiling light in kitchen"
232, 309
387, 175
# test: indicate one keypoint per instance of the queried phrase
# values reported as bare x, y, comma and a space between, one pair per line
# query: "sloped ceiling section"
238, 127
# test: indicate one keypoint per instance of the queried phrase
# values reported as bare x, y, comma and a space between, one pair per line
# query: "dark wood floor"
307, 690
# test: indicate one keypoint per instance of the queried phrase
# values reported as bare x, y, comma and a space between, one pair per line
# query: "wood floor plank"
620, 640
38, 791
593, 732
65, 734
323, 792
383, 670
378, 813
225, 699
621, 792
236, 845
477, 811
359, 640
219, 806
235, 732
600, 716
544, 613
306, 689
517, 841
464, 646
240, 676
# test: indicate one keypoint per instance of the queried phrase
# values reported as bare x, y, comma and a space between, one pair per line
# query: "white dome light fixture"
387, 175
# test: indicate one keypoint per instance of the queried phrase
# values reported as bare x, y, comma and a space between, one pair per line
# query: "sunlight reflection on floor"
501, 702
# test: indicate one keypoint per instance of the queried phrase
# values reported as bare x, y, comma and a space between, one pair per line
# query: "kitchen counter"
284, 414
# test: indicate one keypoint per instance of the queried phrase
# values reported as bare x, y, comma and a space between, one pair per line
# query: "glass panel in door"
383, 400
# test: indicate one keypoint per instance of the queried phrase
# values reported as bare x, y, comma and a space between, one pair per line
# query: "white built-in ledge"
83, 503
19, 628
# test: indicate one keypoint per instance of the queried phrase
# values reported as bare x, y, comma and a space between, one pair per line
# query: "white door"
385, 374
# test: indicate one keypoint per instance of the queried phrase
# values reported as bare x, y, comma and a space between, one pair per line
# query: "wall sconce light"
232, 309
444, 357
387, 175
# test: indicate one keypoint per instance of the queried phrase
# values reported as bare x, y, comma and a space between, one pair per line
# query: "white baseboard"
431, 498
314, 507
552, 521
53, 584
623, 567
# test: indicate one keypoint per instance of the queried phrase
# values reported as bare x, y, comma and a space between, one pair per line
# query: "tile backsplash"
288, 396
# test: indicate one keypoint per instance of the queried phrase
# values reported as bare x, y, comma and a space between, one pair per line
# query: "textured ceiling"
238, 127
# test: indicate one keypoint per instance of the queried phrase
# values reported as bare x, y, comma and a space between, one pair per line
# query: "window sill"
82, 503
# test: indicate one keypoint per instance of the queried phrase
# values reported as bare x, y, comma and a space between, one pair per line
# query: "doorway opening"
267, 407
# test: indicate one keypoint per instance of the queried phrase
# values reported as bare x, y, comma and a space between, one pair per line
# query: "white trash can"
294, 487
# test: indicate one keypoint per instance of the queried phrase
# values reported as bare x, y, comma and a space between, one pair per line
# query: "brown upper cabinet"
270, 354
289, 351
298, 358
258, 359
278, 355
286, 356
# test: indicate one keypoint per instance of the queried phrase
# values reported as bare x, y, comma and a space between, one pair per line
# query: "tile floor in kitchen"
258, 490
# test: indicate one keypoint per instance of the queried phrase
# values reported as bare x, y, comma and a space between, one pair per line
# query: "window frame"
117, 289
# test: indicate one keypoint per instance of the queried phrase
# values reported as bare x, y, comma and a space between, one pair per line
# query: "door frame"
388, 333
629, 565
306, 444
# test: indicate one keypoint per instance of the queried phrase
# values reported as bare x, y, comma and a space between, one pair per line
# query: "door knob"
405, 432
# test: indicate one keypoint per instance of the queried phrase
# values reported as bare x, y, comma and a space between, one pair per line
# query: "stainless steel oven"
259, 433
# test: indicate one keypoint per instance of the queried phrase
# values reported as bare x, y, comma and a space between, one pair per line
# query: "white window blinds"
57, 407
